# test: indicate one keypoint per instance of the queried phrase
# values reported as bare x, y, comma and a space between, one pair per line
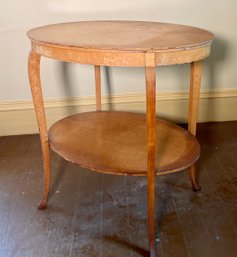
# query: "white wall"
61, 80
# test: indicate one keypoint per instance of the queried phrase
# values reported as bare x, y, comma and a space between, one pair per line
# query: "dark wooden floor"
91, 214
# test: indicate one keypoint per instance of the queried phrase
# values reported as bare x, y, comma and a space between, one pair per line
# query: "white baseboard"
17, 117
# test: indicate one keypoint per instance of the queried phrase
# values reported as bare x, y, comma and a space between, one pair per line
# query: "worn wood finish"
151, 144
35, 85
195, 84
122, 35
115, 142
122, 43
98, 87
118, 58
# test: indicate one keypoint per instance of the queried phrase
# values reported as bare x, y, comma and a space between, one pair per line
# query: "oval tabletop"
122, 35
115, 142
129, 37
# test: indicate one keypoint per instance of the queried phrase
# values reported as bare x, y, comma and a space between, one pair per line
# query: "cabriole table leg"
195, 83
35, 85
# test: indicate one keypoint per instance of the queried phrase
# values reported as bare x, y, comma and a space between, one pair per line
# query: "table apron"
119, 58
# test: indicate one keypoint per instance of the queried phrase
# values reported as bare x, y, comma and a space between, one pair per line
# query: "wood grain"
35, 85
195, 84
115, 142
121, 43
122, 35
98, 87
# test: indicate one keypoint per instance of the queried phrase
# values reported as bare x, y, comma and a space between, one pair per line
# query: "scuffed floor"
95, 215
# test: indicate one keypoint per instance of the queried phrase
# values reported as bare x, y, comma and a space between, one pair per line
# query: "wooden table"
121, 143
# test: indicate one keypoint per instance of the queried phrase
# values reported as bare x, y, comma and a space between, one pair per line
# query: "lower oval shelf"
115, 142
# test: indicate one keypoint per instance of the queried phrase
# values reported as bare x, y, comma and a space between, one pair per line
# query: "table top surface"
122, 35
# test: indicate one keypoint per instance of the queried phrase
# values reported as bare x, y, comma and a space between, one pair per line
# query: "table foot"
196, 188
192, 174
42, 204
152, 249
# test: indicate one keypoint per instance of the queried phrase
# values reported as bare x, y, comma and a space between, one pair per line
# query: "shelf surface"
115, 142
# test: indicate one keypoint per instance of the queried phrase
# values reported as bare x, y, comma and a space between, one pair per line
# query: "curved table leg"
35, 85
195, 82
151, 124
192, 174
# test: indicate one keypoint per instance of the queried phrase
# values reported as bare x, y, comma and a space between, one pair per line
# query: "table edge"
115, 57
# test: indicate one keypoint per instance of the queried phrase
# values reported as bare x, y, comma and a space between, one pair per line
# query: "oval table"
121, 143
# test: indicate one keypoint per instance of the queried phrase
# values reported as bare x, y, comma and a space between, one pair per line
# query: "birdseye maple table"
121, 143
